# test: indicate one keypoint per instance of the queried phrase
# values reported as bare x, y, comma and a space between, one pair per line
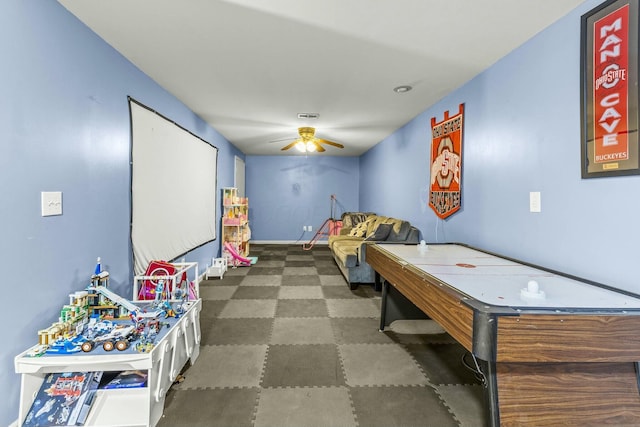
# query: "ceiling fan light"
311, 147
301, 146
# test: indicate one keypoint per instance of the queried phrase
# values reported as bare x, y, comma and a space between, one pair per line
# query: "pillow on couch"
351, 219
360, 230
380, 233
400, 231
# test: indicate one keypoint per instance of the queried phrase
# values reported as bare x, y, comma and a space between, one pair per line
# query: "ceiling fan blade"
325, 141
286, 147
280, 140
307, 137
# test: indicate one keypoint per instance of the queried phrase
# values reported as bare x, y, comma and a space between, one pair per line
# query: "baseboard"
285, 242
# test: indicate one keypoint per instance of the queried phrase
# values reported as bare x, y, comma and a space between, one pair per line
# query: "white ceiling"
248, 67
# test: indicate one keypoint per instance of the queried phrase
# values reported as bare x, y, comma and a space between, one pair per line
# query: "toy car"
118, 338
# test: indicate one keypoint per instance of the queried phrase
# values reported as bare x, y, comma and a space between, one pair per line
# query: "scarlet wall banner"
610, 90
446, 164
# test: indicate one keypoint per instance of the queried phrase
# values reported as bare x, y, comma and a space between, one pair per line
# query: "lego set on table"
100, 331
96, 316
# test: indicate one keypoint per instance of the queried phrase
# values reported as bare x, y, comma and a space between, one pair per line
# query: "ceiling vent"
308, 115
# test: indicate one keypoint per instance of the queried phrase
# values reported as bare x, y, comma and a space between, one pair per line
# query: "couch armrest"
362, 251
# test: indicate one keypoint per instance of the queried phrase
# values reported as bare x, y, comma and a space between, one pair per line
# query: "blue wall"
394, 175
521, 134
287, 192
64, 126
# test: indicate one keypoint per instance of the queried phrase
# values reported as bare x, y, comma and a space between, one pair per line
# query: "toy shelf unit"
171, 281
235, 226
142, 406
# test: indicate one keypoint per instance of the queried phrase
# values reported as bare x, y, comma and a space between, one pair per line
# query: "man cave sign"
446, 164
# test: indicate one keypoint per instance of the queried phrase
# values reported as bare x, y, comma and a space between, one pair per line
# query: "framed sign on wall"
609, 90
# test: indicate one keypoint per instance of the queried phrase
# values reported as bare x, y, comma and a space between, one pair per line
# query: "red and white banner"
610, 86
446, 164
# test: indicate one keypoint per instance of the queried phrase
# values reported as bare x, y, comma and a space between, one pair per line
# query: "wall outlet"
309, 227
304, 228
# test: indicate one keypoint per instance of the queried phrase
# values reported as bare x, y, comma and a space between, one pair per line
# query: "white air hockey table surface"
497, 281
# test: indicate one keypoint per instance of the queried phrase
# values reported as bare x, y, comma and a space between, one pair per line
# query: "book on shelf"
125, 379
64, 399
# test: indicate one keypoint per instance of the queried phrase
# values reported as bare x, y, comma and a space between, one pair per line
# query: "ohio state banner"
610, 89
446, 164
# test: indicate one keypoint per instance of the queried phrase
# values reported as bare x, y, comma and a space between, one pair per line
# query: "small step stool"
218, 268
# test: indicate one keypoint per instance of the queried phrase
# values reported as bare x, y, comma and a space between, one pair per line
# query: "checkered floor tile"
285, 342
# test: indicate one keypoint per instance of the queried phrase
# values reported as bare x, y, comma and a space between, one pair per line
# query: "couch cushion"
360, 230
351, 219
373, 222
380, 233
399, 232
334, 239
346, 252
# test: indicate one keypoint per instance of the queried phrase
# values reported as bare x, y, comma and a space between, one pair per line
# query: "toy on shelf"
99, 277
167, 280
66, 345
118, 337
236, 232
218, 267
157, 347
98, 316
38, 350
63, 399
147, 334
237, 258
155, 278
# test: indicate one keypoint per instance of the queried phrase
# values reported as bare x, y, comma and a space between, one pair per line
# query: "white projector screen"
173, 188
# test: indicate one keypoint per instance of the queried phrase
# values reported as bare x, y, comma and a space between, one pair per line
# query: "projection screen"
173, 188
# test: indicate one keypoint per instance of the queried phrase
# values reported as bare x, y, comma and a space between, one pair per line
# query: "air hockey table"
552, 349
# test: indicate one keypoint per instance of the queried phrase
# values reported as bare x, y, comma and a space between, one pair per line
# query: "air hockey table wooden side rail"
542, 366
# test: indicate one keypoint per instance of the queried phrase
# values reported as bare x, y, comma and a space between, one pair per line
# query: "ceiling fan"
308, 142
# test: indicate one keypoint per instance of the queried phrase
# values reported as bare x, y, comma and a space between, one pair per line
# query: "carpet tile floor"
285, 342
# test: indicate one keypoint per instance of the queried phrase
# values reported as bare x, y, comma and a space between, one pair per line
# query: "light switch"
51, 203
534, 202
